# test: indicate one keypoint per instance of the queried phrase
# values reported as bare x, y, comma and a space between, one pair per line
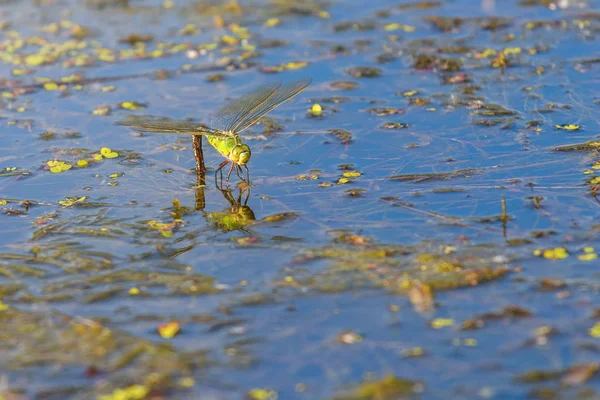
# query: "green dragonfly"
225, 125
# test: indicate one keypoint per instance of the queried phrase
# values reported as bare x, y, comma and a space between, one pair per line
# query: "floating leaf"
383, 111
57, 167
568, 127
395, 26
351, 174
349, 337
262, 394
595, 330
587, 257
108, 153
343, 135
316, 110
50, 86
557, 253
439, 323
364, 72
169, 330
134, 392
344, 85
132, 105
35, 59
292, 65
101, 110
134, 38
71, 201
271, 22
394, 125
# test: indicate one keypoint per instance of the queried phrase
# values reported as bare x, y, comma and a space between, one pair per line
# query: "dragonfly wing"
283, 94
230, 115
167, 125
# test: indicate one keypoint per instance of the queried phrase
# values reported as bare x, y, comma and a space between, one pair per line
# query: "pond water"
430, 232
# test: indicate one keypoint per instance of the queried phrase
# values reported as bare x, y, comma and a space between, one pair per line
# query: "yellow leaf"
396, 26
82, 163
588, 257
70, 78
595, 330
486, 53
262, 394
316, 109
271, 22
557, 253
187, 382
230, 40
189, 29
102, 110
134, 392
19, 72
50, 86
439, 323
169, 330
132, 105
295, 65
512, 50
35, 59
351, 174
569, 127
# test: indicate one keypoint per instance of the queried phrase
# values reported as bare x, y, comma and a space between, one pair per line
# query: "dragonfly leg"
220, 169
228, 196
247, 190
230, 169
198, 155
247, 174
238, 169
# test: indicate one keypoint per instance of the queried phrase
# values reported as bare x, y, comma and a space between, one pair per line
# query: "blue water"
291, 349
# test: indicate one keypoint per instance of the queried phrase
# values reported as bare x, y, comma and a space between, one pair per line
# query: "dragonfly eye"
240, 154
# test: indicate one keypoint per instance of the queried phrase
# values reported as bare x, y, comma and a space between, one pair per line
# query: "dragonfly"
226, 124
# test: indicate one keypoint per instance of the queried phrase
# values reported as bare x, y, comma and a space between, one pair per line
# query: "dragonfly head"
240, 154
